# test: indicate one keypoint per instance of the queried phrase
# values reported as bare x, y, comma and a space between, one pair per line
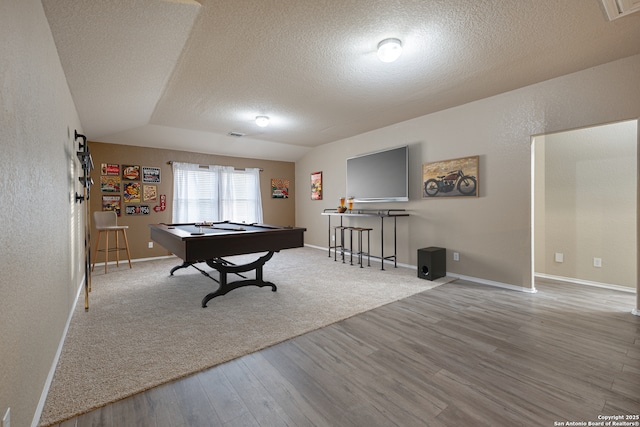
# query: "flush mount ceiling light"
389, 50
262, 121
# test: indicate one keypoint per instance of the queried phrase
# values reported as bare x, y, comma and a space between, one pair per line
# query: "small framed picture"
279, 188
109, 184
111, 203
132, 192
131, 172
110, 169
149, 193
316, 186
150, 175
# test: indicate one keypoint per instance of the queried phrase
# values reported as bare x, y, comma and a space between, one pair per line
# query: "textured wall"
493, 232
42, 226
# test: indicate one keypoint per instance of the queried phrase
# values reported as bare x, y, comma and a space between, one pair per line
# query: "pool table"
209, 242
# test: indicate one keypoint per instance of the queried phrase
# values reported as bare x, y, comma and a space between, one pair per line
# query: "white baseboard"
494, 283
54, 365
136, 260
454, 275
586, 282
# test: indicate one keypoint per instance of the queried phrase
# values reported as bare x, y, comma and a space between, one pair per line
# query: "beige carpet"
145, 328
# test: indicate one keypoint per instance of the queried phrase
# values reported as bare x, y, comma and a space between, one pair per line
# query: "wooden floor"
461, 354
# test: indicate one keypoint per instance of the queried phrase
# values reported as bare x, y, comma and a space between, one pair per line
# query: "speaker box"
432, 263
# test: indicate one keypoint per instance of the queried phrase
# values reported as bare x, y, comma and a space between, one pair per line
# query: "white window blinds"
215, 193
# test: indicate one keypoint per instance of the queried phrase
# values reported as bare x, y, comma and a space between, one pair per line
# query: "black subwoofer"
432, 263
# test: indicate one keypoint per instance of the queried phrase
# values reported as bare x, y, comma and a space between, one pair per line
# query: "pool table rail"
255, 238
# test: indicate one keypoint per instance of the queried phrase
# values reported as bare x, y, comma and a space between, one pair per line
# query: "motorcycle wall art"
451, 178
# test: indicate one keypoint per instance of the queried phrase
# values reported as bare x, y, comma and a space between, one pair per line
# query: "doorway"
585, 206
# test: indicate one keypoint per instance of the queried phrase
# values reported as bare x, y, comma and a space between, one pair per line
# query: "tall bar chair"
361, 252
342, 247
106, 222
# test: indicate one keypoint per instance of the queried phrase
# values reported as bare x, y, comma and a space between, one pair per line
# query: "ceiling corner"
618, 8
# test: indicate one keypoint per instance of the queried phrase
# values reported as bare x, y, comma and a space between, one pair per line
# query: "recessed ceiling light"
262, 121
389, 50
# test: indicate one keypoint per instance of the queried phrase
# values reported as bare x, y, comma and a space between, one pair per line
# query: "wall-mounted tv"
382, 176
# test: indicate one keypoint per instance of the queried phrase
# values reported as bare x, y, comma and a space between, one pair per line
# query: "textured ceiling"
183, 74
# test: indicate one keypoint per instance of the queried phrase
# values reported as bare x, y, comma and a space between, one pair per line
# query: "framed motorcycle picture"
451, 178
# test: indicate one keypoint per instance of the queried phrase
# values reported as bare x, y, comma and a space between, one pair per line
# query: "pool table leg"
226, 268
183, 265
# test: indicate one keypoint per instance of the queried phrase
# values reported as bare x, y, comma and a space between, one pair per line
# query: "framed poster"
149, 193
279, 188
109, 184
110, 169
131, 172
131, 192
150, 175
451, 178
316, 186
111, 203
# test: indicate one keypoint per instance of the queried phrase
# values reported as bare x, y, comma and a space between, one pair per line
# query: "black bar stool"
360, 252
342, 229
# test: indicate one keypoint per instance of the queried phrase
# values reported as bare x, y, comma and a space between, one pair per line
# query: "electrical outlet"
456, 256
559, 257
597, 262
6, 420
150, 245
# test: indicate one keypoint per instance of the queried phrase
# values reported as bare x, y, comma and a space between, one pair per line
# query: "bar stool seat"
106, 222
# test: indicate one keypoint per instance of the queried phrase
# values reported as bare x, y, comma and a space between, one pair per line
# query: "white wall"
589, 208
493, 232
41, 239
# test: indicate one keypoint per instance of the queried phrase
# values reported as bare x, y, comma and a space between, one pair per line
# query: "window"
215, 193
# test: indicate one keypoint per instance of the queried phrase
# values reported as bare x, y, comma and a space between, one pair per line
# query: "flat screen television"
382, 176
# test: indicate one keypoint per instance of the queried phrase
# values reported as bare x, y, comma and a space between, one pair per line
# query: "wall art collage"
133, 185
